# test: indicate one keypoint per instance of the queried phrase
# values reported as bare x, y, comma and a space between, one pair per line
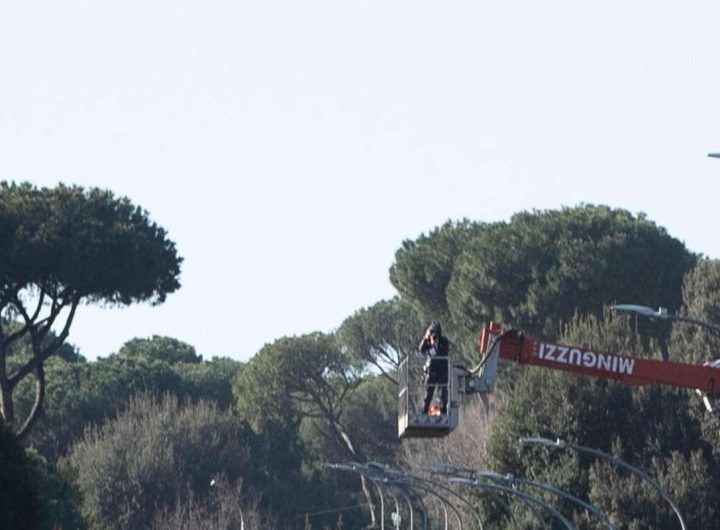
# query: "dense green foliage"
382, 335
701, 292
540, 268
82, 393
653, 428
134, 440
154, 454
161, 349
60, 247
424, 268
74, 243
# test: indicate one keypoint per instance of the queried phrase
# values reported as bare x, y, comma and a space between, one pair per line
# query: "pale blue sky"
289, 147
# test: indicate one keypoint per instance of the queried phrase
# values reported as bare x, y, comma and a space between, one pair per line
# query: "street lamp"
545, 487
662, 314
455, 472
560, 444
513, 481
361, 471
434, 471
371, 473
510, 491
418, 483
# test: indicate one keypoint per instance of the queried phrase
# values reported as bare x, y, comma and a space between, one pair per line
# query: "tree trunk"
363, 480
37, 405
7, 410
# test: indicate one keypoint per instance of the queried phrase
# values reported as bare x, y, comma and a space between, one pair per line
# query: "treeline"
156, 437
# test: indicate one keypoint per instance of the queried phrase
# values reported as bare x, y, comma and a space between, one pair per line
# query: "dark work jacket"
436, 369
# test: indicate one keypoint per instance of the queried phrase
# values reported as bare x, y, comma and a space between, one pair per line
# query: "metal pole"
497, 498
423, 508
517, 493
399, 473
443, 503
453, 471
397, 510
404, 490
382, 499
547, 487
560, 444
403, 487
662, 314
456, 494
356, 468
410, 508
374, 467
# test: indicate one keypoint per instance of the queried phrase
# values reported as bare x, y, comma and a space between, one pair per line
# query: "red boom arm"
630, 370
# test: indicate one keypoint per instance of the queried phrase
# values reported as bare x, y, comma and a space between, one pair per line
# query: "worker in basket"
436, 347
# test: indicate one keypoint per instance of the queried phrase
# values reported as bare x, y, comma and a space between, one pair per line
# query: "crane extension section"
498, 342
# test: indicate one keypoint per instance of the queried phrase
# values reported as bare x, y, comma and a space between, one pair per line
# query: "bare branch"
37, 405
38, 308
40, 355
52, 348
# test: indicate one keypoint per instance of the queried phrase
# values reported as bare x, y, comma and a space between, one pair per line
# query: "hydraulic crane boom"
512, 345
497, 342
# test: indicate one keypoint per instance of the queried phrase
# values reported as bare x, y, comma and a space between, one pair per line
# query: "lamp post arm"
397, 508
560, 444
560, 517
549, 488
713, 328
463, 499
406, 488
453, 471
353, 466
396, 473
415, 481
639, 472
443, 502
407, 500
662, 314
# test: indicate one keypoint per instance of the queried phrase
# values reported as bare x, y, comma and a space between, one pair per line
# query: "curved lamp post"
361, 471
444, 503
560, 444
414, 479
662, 314
549, 488
397, 480
397, 506
371, 472
510, 491
407, 491
417, 482
455, 471
409, 504
454, 494
389, 472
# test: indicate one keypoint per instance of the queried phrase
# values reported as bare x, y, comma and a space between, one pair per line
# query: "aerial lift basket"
412, 423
